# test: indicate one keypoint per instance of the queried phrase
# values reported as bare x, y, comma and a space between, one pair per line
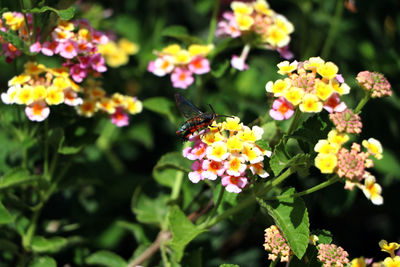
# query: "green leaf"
169, 167
228, 199
150, 210
41, 244
15, 177
389, 165
5, 216
229, 265
136, 229
279, 158
183, 231
324, 236
44, 261
127, 26
64, 14
106, 258
291, 216
220, 69
14, 39
161, 105
193, 258
180, 33
69, 150
263, 145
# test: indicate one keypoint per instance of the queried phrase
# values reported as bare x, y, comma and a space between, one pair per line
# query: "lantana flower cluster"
181, 63
276, 244
332, 255
350, 164
117, 106
77, 42
374, 83
227, 150
311, 86
257, 24
39, 87
14, 21
117, 53
393, 260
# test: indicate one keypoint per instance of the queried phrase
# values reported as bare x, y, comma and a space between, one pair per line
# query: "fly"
197, 119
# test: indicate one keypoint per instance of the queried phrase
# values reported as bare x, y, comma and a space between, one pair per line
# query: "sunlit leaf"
106, 258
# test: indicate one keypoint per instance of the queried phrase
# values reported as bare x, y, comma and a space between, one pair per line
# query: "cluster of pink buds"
227, 150
332, 255
374, 83
256, 18
181, 63
276, 244
77, 42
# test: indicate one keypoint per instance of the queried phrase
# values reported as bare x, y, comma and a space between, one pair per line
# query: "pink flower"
238, 63
84, 61
37, 111
199, 65
228, 26
99, 37
375, 83
346, 121
84, 46
49, 48
120, 118
68, 49
161, 66
197, 174
234, 184
77, 73
98, 63
181, 78
333, 104
212, 169
35, 47
198, 151
281, 109
285, 52
71, 98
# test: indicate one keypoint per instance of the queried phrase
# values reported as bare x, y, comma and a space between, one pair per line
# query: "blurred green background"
95, 200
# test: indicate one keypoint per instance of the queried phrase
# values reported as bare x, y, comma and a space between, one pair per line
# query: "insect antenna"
218, 115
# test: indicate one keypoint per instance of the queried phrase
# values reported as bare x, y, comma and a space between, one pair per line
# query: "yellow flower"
218, 151
118, 99
310, 104
241, 8
199, 50
250, 135
24, 95
133, 105
117, 59
276, 36
392, 262
325, 162
67, 25
14, 22
373, 191
61, 83
171, 49
285, 67
323, 90
182, 57
284, 24
106, 104
389, 247
128, 47
33, 68
232, 124
324, 147
374, 147
96, 93
341, 89
313, 63
54, 96
39, 92
261, 6
211, 137
278, 88
234, 143
19, 80
88, 108
337, 138
244, 22
294, 95
328, 70
108, 48
358, 262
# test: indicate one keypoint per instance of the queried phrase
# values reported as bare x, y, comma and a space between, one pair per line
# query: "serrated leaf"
263, 145
106, 258
279, 158
15, 177
183, 231
291, 216
160, 105
324, 236
44, 261
180, 33
64, 14
169, 167
5, 216
150, 210
41, 244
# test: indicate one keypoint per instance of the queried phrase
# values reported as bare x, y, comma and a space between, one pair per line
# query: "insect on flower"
197, 119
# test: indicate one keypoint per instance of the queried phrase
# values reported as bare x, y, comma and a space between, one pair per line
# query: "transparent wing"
186, 107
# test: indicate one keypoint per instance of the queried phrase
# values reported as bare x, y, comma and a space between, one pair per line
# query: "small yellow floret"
232, 124
374, 147
39, 92
133, 105
337, 138
241, 8
171, 49
128, 47
294, 95
328, 70
234, 143
285, 67
24, 95
310, 104
324, 147
244, 22
199, 50
313, 63
182, 57
323, 90
54, 96
277, 37
326, 162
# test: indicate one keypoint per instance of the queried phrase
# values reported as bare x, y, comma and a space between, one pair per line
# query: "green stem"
176, 189
295, 121
46, 150
273, 263
333, 29
362, 103
164, 255
216, 205
308, 191
21, 3
27, 238
213, 23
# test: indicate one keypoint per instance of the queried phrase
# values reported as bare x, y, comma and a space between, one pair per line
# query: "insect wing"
186, 107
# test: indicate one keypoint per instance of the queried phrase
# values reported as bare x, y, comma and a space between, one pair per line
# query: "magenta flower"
228, 26
35, 47
333, 104
68, 49
181, 78
285, 52
234, 184
120, 118
77, 73
49, 48
197, 174
161, 66
199, 65
281, 109
198, 151
212, 169
98, 63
